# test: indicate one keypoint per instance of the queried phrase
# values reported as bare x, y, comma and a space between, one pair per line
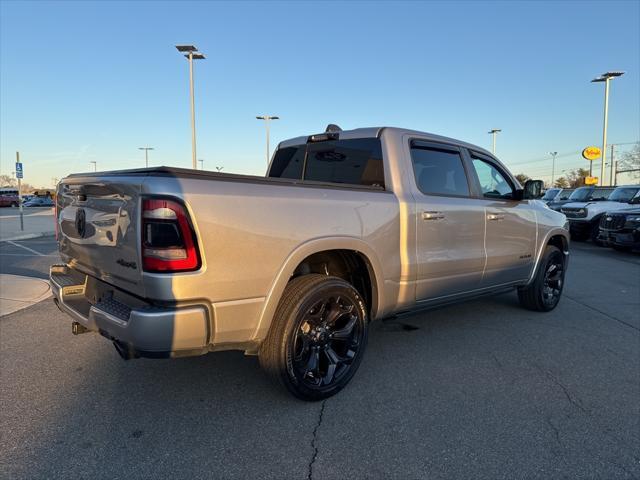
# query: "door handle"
432, 215
495, 216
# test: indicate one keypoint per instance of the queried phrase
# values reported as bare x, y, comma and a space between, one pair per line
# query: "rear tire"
621, 248
317, 338
543, 294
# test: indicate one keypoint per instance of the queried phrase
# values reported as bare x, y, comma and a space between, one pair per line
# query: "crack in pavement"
602, 313
575, 402
313, 441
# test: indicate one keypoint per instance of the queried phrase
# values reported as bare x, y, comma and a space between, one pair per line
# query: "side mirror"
532, 190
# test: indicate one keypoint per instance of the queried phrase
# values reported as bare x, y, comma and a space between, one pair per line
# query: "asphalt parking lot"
481, 390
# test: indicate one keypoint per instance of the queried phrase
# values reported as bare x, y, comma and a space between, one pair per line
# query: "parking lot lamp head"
493, 132
146, 155
267, 119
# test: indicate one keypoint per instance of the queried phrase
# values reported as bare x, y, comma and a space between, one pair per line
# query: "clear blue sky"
84, 81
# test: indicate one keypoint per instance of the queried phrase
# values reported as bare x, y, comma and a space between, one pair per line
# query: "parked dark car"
550, 194
9, 200
560, 199
621, 230
39, 202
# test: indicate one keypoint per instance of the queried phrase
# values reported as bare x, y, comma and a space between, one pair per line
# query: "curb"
21, 296
28, 236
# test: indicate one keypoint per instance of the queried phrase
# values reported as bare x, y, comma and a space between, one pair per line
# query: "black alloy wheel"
545, 290
327, 339
317, 338
553, 279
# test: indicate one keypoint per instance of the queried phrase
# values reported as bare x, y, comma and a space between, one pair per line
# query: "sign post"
19, 175
591, 154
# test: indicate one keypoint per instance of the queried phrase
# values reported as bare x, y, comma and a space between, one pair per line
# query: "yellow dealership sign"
591, 180
591, 153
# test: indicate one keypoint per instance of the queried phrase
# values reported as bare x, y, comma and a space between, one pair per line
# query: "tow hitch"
78, 328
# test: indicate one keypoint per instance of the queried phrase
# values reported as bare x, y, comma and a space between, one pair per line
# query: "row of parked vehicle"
27, 201
608, 216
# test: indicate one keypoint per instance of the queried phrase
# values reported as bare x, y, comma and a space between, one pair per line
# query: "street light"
201, 163
146, 155
191, 52
493, 132
267, 119
605, 77
553, 166
95, 165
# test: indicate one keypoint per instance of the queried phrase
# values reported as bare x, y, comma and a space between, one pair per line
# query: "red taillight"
168, 241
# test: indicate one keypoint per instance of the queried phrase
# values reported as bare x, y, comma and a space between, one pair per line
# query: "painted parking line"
27, 248
26, 255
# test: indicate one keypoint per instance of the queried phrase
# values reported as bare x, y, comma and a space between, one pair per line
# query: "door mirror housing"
532, 190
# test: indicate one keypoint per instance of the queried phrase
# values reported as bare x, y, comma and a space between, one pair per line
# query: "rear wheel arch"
350, 265
311, 257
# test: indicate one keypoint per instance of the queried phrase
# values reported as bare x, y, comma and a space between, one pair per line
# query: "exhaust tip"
125, 351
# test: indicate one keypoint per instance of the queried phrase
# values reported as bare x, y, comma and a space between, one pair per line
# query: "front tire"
595, 231
543, 294
318, 337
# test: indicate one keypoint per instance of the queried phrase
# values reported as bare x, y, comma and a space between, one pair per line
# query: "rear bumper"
136, 327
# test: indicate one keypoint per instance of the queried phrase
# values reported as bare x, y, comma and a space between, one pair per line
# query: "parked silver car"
347, 227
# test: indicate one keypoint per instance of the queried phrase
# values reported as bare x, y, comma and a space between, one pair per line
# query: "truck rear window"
355, 161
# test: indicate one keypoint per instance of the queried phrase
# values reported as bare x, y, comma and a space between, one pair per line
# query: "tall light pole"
612, 169
201, 163
95, 165
493, 132
553, 167
605, 77
191, 52
146, 155
267, 119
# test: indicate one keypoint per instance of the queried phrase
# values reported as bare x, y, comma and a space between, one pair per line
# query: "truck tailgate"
98, 228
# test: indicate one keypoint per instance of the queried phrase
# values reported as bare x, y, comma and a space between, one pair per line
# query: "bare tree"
576, 177
522, 178
8, 181
631, 161
561, 182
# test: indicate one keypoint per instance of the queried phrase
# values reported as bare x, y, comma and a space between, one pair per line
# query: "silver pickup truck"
346, 227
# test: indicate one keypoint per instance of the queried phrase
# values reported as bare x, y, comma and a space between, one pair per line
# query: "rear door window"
439, 171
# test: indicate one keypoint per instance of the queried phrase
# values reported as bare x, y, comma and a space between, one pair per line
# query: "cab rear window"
353, 161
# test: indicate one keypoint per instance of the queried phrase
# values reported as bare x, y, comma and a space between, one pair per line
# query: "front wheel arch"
558, 237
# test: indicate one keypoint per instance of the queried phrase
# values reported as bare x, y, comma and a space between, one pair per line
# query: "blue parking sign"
19, 170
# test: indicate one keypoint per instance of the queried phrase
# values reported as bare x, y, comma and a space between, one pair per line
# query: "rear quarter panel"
253, 235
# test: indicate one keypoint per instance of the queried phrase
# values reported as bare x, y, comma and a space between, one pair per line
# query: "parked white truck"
347, 227
584, 217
